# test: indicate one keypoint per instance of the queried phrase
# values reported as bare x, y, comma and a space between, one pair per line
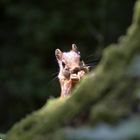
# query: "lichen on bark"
109, 96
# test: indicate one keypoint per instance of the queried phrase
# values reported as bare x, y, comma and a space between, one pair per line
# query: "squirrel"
71, 69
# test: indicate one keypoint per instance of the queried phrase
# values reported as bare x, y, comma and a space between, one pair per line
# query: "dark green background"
31, 30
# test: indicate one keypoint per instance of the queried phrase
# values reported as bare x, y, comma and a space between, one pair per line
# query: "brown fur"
71, 70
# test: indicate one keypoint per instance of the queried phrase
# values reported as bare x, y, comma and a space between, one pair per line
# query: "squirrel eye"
63, 64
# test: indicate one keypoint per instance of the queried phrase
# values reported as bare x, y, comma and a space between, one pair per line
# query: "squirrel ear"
74, 48
58, 54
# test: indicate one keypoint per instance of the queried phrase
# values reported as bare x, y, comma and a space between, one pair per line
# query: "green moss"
107, 96
116, 103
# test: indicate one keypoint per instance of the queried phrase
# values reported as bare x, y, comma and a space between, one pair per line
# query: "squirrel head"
69, 62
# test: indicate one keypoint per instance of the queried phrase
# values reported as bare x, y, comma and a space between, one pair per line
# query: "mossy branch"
108, 96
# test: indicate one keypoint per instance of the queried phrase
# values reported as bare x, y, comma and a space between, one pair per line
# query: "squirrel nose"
76, 70
67, 69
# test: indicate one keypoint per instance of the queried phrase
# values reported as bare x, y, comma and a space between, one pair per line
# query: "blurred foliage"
126, 130
30, 31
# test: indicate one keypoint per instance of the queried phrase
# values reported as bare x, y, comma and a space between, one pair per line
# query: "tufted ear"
74, 48
58, 54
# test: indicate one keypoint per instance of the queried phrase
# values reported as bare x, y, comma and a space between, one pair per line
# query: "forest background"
31, 30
